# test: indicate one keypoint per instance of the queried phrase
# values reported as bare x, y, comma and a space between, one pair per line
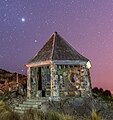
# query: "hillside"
8, 79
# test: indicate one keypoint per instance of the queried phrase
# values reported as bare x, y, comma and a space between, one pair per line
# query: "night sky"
25, 25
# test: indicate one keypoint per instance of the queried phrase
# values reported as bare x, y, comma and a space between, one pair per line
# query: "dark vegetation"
104, 94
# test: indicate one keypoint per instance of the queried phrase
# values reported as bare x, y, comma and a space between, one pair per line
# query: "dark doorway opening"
43, 93
40, 79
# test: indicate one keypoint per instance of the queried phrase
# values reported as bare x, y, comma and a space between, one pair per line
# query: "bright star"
23, 19
35, 41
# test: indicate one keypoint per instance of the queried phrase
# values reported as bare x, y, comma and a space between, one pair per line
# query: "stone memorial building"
58, 70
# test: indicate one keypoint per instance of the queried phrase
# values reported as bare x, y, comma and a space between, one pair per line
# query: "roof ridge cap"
53, 46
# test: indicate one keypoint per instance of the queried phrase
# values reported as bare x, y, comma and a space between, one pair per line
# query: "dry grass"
6, 113
9, 116
95, 116
33, 114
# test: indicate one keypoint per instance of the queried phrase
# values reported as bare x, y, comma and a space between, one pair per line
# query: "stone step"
36, 100
24, 109
29, 106
20, 111
32, 103
21, 108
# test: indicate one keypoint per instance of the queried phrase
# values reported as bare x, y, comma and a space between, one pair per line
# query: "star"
35, 41
23, 19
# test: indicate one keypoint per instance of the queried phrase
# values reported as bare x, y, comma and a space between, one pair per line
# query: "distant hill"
9, 77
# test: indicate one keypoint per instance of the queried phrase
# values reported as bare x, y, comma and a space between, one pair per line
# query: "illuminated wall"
60, 80
71, 81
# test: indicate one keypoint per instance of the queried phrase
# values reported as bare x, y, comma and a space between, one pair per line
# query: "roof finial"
55, 32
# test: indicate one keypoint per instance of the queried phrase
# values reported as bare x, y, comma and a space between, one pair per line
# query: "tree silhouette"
107, 93
95, 90
104, 94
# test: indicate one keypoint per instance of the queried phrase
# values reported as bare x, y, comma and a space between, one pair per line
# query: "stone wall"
54, 81
33, 81
60, 80
28, 83
68, 80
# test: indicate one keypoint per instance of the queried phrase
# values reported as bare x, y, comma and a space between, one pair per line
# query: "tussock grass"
6, 113
9, 116
33, 114
95, 116
3, 107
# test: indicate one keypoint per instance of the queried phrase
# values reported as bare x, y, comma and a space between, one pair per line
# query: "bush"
104, 94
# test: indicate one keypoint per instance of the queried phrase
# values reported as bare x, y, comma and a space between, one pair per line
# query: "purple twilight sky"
25, 25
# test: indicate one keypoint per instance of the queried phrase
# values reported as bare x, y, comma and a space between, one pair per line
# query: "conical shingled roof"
56, 48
